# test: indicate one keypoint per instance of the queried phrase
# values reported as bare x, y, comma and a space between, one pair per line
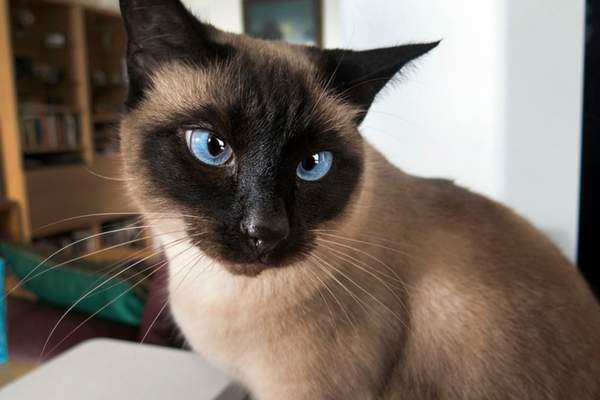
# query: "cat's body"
491, 320
306, 265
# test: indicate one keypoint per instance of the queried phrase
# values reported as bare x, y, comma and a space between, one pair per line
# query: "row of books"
79, 242
73, 244
123, 231
50, 129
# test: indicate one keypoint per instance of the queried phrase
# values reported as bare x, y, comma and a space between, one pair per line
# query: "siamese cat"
306, 265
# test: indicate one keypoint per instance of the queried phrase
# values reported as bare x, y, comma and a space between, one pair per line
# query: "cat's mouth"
250, 263
250, 270
241, 258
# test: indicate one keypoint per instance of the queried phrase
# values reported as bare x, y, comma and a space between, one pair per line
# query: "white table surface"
115, 370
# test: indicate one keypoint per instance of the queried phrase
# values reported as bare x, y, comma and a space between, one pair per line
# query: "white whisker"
110, 303
191, 265
104, 283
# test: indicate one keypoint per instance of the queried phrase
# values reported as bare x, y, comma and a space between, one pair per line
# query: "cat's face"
253, 144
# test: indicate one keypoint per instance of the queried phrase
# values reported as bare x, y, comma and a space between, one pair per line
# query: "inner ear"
358, 76
159, 31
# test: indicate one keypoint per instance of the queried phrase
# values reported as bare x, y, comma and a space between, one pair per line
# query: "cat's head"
252, 143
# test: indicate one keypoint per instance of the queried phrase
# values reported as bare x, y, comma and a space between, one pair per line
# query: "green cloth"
67, 284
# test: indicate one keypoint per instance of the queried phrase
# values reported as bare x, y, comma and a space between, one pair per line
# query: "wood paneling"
9, 125
71, 191
49, 194
80, 68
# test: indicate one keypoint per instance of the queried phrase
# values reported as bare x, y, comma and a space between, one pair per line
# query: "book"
50, 129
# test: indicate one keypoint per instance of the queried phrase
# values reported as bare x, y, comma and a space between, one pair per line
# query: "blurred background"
507, 106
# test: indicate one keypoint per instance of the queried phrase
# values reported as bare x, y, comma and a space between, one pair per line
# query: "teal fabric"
66, 285
3, 340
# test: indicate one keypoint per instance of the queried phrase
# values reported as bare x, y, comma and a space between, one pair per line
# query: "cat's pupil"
310, 162
215, 146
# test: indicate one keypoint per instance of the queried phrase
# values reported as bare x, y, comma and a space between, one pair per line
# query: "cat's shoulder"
451, 198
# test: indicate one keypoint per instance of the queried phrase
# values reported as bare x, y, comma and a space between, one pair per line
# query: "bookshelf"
63, 85
107, 77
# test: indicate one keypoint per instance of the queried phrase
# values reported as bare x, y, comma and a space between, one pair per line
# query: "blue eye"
315, 166
208, 148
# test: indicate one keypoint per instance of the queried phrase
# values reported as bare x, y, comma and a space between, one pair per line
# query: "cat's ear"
159, 31
358, 76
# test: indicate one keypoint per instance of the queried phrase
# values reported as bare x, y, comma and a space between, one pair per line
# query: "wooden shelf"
90, 65
65, 192
53, 56
33, 85
6, 205
43, 151
109, 87
107, 118
121, 253
9, 125
10, 224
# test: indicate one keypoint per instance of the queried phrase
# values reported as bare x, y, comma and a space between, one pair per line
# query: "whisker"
335, 298
322, 284
364, 264
77, 242
203, 271
341, 284
141, 272
111, 302
352, 294
120, 214
390, 269
173, 243
166, 303
372, 296
108, 178
100, 310
117, 265
33, 275
323, 232
96, 290
364, 267
390, 288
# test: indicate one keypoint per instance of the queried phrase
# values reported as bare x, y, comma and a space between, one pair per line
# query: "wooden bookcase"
62, 86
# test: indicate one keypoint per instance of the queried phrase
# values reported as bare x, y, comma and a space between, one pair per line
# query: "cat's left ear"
358, 76
160, 31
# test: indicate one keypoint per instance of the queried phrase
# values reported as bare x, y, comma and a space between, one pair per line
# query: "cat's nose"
264, 232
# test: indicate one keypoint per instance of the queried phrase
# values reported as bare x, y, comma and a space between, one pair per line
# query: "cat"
306, 265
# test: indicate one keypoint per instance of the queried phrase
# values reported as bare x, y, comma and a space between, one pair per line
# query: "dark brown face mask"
285, 116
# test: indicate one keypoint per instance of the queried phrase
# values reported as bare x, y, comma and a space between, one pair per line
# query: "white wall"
497, 106
224, 14
543, 113
442, 118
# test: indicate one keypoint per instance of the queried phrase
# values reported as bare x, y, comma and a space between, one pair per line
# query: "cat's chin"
255, 268
249, 270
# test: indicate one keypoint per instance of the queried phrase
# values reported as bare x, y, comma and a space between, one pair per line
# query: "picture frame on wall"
295, 21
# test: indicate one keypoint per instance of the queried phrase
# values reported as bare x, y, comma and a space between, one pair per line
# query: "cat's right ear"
160, 31
358, 76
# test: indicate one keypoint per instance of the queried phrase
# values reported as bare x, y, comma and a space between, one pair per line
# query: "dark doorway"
589, 223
